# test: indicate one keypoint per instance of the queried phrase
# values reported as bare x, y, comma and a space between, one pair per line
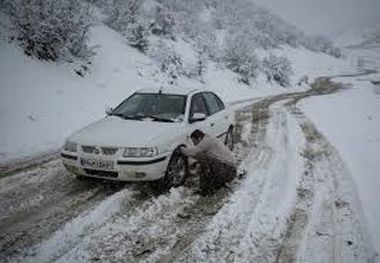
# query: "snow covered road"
297, 203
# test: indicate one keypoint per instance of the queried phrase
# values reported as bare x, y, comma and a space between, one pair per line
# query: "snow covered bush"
6, 6
122, 13
48, 29
239, 57
163, 23
127, 17
137, 36
200, 65
278, 69
319, 43
168, 60
181, 16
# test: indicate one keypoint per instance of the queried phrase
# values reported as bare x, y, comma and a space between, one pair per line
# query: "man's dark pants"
214, 174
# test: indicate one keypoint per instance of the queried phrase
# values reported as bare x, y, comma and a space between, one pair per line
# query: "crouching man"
217, 163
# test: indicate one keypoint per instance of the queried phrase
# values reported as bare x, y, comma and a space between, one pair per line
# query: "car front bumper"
136, 169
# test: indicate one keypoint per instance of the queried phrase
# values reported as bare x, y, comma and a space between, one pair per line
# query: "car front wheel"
176, 171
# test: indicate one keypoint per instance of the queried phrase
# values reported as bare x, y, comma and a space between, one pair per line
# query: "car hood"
115, 131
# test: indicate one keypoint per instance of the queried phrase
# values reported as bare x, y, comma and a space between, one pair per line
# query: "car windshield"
159, 107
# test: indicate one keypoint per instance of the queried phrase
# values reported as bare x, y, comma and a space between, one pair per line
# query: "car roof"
172, 90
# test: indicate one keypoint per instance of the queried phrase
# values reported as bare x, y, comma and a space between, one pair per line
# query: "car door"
217, 116
198, 105
227, 115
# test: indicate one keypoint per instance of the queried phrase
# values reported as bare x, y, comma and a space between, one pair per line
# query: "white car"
139, 139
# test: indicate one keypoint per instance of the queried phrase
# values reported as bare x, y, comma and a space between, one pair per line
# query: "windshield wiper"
127, 117
161, 119
155, 118
140, 116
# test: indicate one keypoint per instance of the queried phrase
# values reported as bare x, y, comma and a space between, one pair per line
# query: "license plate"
97, 164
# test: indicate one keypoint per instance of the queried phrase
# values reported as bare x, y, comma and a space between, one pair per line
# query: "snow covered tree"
239, 57
168, 60
278, 69
200, 65
319, 43
137, 36
48, 29
123, 13
163, 23
6, 6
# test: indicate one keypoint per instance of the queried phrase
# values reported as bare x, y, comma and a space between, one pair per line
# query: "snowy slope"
41, 103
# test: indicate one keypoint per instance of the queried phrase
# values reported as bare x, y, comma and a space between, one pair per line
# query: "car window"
131, 104
212, 103
220, 102
198, 105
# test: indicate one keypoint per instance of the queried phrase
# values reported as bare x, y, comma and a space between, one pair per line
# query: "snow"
84, 224
350, 120
115, 230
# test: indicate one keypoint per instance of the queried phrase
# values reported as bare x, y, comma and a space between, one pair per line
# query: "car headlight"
140, 152
70, 146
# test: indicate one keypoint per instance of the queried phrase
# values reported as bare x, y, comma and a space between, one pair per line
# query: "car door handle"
212, 124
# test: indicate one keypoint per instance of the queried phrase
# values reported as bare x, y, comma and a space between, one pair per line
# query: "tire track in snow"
328, 221
86, 223
267, 222
36, 202
130, 237
327, 224
301, 213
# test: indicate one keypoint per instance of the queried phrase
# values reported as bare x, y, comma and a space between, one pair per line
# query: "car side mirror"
198, 116
108, 110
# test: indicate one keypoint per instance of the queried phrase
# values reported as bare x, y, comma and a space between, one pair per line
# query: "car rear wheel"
229, 141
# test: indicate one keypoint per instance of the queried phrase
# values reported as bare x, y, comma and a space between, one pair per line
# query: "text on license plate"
97, 164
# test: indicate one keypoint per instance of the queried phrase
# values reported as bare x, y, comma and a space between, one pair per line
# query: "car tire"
176, 172
229, 140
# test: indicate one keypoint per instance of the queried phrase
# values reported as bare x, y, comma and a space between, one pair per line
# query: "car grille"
109, 150
90, 149
96, 150
108, 174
